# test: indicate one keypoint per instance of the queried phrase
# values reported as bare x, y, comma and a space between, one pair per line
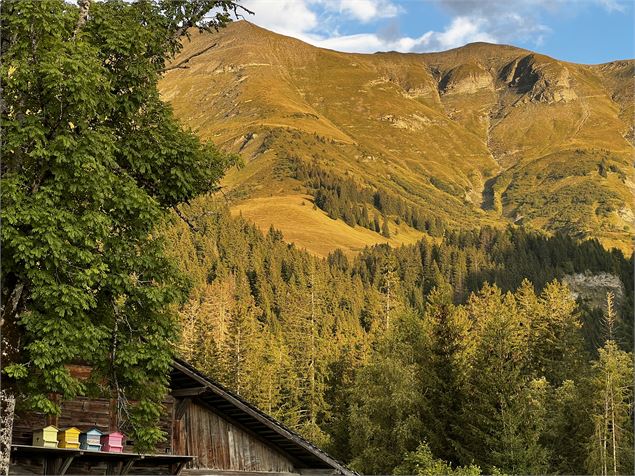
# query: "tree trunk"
7, 409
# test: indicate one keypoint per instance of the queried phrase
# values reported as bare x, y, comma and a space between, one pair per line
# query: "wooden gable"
224, 432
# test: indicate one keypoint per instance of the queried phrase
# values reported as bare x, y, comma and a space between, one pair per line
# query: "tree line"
363, 206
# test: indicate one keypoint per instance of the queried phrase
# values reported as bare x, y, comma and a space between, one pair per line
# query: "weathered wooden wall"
218, 444
85, 413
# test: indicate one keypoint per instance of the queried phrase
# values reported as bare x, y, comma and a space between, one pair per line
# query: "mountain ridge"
481, 134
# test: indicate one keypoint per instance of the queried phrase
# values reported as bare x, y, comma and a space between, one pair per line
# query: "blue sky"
582, 31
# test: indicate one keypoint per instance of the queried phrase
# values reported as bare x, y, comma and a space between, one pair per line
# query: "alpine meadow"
240, 253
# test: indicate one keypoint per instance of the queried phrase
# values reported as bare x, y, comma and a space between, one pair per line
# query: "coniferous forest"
463, 353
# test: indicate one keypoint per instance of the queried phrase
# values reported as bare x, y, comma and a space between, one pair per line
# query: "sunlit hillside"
483, 134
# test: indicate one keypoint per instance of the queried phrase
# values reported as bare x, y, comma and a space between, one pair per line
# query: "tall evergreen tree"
610, 446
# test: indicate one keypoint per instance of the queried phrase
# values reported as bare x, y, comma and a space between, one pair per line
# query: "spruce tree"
610, 446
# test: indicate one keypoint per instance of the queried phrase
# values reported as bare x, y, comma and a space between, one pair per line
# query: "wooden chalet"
210, 431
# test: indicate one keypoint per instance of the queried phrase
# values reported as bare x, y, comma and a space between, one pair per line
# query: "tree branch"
84, 7
182, 64
9, 309
185, 219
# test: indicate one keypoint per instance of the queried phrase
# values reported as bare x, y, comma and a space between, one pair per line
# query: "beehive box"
68, 437
112, 442
90, 440
46, 437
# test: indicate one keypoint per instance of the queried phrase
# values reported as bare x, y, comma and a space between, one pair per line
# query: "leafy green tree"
500, 429
385, 229
610, 447
423, 463
388, 408
569, 427
556, 341
92, 162
449, 355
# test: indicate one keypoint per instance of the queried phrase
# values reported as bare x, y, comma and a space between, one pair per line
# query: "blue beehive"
90, 440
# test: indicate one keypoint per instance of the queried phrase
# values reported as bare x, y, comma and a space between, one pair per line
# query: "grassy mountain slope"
483, 134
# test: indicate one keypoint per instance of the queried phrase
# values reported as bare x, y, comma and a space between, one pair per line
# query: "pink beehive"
112, 442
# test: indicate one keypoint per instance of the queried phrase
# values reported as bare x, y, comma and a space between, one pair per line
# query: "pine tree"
385, 229
494, 420
610, 447
240, 349
449, 355
388, 285
388, 408
376, 225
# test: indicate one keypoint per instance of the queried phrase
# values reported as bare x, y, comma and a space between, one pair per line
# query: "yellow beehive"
46, 437
68, 437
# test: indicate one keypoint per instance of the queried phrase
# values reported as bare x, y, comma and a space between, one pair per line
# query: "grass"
312, 229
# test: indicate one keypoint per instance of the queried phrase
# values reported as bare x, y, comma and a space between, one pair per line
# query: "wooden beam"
65, 465
126, 467
178, 468
181, 407
189, 392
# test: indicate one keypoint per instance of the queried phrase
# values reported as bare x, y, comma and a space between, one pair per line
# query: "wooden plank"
179, 468
188, 392
126, 467
230, 421
180, 408
222, 445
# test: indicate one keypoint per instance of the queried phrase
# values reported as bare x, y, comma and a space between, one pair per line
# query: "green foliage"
399, 355
388, 410
423, 463
611, 444
482, 383
92, 159
344, 198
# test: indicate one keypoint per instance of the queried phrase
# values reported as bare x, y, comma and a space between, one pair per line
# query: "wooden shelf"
58, 460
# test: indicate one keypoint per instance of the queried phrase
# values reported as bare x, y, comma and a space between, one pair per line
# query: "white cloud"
293, 17
461, 31
613, 5
495, 21
289, 17
362, 10
504, 20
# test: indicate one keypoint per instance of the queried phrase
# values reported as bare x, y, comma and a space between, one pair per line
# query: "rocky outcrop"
540, 78
413, 122
592, 287
466, 79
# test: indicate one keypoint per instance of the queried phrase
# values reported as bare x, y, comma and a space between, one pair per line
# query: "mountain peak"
480, 134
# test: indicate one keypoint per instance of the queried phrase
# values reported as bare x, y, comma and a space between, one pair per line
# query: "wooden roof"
187, 381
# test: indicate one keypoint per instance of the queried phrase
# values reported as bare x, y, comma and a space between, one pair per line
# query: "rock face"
541, 78
467, 78
592, 288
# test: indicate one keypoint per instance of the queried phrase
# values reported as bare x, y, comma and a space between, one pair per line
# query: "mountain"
479, 135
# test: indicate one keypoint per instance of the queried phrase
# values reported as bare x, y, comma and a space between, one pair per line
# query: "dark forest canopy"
92, 159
